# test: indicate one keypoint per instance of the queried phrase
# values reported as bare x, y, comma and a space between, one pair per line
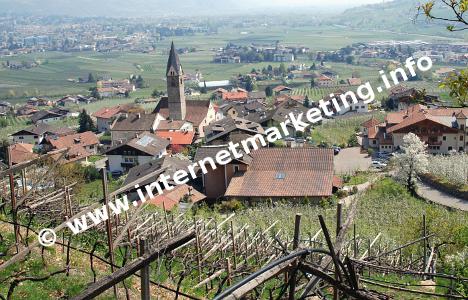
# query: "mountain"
397, 16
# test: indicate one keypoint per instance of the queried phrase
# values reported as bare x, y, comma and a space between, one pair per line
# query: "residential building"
137, 151
107, 115
21, 153
86, 140
231, 130
324, 81
282, 90
37, 133
285, 173
128, 125
215, 182
178, 140
442, 129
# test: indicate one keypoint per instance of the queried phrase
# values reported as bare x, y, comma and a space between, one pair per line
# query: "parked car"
336, 150
378, 164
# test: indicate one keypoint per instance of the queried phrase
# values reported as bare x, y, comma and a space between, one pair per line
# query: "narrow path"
434, 195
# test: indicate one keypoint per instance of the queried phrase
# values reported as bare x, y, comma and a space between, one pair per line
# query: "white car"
378, 165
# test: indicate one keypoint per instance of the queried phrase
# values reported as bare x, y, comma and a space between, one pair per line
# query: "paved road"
440, 197
350, 160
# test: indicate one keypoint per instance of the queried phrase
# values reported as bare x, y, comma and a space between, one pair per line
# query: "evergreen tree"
85, 122
307, 102
91, 78
269, 91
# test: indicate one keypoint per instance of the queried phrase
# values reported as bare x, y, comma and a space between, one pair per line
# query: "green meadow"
50, 78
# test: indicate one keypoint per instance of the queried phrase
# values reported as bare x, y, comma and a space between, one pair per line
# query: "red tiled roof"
279, 88
170, 199
231, 96
107, 113
80, 139
286, 172
21, 153
177, 137
370, 123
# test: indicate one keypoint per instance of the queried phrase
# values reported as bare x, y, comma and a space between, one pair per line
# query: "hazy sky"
158, 7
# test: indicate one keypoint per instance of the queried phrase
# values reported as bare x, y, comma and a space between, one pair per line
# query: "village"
241, 154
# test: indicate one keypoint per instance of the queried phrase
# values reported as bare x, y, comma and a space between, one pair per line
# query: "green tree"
350, 60
307, 102
269, 91
312, 83
156, 93
457, 9
282, 69
91, 78
85, 122
458, 86
313, 67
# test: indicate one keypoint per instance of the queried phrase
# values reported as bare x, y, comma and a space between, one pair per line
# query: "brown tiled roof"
134, 122
79, 139
166, 164
227, 125
40, 129
286, 172
370, 123
279, 88
170, 124
211, 151
108, 112
413, 119
197, 110
20, 153
172, 198
145, 142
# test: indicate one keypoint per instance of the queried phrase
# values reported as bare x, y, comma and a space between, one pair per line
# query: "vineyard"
267, 251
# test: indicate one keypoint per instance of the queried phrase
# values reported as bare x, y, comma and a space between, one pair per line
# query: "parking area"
350, 160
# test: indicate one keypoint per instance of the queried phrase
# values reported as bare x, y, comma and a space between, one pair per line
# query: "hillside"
397, 16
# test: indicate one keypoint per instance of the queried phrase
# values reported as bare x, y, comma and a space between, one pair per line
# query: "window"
461, 137
462, 127
444, 138
374, 142
21, 137
236, 169
450, 148
460, 149
280, 176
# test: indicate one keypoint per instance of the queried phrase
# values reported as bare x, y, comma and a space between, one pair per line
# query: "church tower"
175, 86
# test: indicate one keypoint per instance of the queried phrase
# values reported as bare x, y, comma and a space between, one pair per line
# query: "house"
47, 116
442, 129
178, 140
330, 74
282, 90
127, 126
67, 101
231, 129
282, 114
142, 149
37, 133
107, 115
257, 96
20, 153
215, 182
252, 111
5, 108
324, 81
149, 172
285, 173
26, 110
39, 102
175, 107
86, 140
354, 81
235, 96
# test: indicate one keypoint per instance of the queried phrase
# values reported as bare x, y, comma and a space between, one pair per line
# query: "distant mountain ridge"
397, 15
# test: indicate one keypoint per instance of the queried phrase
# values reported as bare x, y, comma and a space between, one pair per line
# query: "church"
173, 113
175, 107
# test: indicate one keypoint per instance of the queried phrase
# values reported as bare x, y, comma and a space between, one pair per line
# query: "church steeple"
173, 63
175, 86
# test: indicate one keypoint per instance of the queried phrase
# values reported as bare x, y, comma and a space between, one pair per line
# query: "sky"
164, 7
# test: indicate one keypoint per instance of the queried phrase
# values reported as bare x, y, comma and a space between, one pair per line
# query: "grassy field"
338, 131
50, 77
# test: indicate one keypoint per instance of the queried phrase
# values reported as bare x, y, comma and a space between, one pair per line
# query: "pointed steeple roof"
173, 62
